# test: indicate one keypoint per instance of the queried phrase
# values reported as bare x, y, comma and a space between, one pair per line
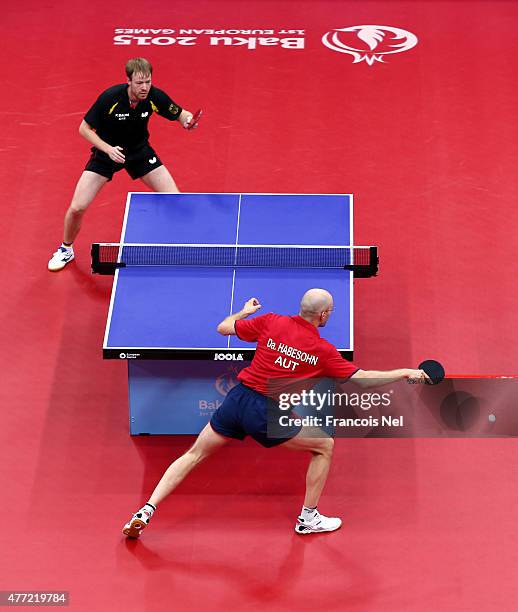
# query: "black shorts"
245, 412
138, 163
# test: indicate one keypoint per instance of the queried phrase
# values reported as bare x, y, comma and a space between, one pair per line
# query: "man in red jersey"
287, 348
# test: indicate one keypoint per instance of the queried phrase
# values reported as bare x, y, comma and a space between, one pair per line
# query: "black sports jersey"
120, 125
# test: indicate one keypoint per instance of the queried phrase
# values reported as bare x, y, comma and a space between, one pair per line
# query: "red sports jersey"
288, 348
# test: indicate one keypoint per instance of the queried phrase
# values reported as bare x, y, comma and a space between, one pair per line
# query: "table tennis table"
162, 319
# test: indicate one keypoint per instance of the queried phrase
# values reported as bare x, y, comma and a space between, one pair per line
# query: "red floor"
427, 142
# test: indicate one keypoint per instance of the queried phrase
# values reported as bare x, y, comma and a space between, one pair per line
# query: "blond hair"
138, 65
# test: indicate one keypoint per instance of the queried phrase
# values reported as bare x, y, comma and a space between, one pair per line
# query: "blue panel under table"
177, 397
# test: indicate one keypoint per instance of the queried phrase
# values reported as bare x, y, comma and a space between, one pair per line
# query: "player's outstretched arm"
114, 153
377, 378
226, 327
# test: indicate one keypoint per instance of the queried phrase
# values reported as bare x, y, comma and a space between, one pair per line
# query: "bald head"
315, 304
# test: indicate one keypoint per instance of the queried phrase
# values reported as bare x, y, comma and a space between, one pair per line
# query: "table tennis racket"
434, 370
195, 119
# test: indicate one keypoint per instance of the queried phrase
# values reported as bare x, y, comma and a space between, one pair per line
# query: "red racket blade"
195, 119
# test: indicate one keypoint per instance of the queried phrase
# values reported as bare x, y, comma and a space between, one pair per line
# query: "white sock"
308, 513
66, 246
149, 507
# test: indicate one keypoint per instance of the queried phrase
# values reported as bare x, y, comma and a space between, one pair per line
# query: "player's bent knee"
325, 446
78, 205
77, 210
330, 444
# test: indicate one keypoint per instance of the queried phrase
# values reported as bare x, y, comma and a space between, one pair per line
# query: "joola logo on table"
228, 357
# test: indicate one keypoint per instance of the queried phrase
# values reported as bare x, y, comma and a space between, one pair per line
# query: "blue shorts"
245, 413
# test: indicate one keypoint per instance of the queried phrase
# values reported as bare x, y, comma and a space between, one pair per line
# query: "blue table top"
172, 312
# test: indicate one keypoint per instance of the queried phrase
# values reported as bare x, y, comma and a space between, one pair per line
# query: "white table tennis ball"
492, 418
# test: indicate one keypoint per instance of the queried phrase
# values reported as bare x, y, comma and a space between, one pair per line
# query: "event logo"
225, 382
369, 43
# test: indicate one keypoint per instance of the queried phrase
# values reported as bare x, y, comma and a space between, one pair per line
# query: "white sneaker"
60, 258
318, 523
137, 523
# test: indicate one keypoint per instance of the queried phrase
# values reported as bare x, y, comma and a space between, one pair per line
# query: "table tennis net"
107, 257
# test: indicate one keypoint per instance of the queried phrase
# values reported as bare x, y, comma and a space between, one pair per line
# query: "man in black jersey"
117, 127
